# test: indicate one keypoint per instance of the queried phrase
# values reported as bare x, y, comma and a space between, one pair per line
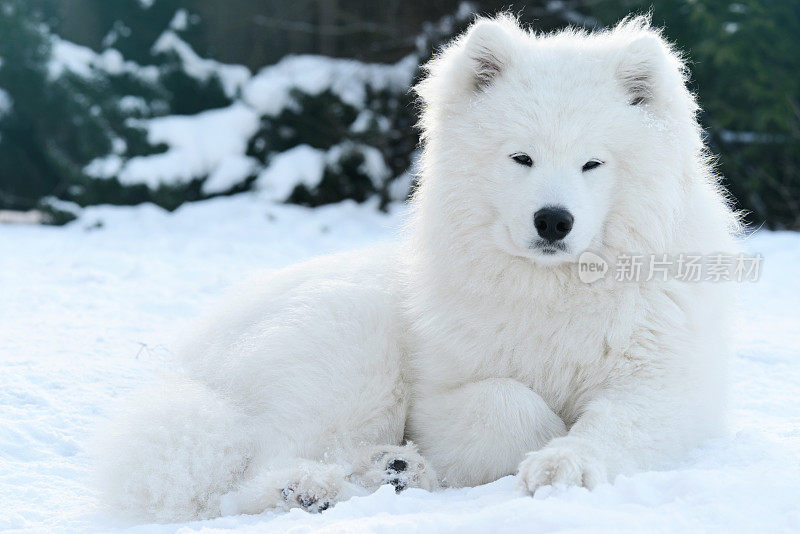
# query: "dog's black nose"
553, 223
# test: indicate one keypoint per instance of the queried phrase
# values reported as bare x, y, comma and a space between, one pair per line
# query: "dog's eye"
591, 164
522, 159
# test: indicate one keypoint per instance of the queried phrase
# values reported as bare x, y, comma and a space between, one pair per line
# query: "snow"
373, 166
232, 77
301, 164
213, 143
269, 91
365, 120
105, 166
749, 138
131, 104
199, 145
70, 56
6, 102
180, 21
83, 61
89, 311
231, 171
22, 217
730, 27
306, 165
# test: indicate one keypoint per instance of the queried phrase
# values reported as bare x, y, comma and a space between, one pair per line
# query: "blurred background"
307, 101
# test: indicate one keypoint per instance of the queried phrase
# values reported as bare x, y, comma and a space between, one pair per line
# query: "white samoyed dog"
472, 350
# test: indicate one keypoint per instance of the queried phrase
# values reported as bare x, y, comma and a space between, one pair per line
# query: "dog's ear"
640, 69
470, 64
649, 70
488, 50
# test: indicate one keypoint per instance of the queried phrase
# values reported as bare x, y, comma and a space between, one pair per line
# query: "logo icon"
591, 267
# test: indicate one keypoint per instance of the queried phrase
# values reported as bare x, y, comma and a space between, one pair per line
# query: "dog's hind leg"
173, 451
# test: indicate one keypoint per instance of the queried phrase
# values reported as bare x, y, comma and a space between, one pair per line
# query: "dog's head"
548, 145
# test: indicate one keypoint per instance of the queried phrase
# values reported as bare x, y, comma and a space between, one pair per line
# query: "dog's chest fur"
561, 341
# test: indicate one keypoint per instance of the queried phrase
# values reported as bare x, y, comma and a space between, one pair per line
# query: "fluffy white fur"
628, 375
469, 339
293, 395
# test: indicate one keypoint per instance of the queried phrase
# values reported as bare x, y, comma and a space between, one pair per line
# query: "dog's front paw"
559, 465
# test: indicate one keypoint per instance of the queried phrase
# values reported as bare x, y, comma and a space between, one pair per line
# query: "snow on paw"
396, 474
310, 501
559, 466
400, 466
312, 486
315, 490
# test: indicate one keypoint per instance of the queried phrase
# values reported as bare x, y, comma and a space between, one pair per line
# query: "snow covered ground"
88, 311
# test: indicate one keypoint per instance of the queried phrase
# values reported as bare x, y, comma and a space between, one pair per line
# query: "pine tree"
54, 121
41, 152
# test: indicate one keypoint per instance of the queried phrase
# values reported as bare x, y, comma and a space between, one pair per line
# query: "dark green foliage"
343, 179
59, 123
750, 89
320, 121
187, 95
742, 55
92, 191
52, 130
53, 214
744, 61
131, 26
323, 121
397, 139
